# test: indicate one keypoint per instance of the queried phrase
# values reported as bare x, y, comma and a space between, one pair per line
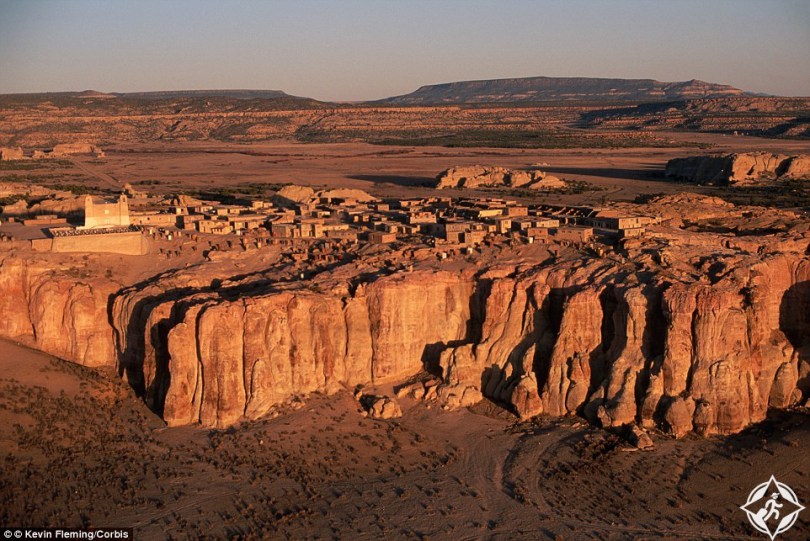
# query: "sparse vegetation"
28, 165
522, 139
232, 194
79, 189
789, 193
18, 178
572, 187
11, 199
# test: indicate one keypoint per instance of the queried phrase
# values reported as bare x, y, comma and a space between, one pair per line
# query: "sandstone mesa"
678, 330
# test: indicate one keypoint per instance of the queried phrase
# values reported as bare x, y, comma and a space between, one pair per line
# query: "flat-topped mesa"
474, 176
682, 330
739, 169
590, 336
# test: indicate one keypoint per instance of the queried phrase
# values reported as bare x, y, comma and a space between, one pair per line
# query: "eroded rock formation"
58, 313
64, 150
739, 169
292, 195
705, 343
474, 176
11, 153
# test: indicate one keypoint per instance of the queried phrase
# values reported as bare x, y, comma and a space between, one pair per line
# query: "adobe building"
100, 212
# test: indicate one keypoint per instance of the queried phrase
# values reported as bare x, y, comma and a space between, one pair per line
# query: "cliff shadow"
550, 316
648, 171
653, 342
794, 322
598, 358
398, 180
614, 340
431, 355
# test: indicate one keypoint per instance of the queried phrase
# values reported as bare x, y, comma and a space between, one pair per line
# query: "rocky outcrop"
11, 153
56, 312
621, 344
346, 193
710, 358
292, 195
739, 169
380, 407
170, 341
475, 176
683, 356
65, 150
796, 167
28, 190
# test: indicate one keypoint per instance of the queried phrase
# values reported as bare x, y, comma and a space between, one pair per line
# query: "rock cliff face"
708, 357
55, 312
474, 176
280, 344
612, 341
739, 169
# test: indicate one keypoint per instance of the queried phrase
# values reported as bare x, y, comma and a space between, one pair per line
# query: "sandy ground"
622, 174
77, 448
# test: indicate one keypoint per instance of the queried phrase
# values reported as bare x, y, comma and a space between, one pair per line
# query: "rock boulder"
475, 176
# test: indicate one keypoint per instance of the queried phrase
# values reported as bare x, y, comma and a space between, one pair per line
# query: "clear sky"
368, 49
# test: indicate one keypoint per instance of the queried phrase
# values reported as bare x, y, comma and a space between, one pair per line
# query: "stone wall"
133, 243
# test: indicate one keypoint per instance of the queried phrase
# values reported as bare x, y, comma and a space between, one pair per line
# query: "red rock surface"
685, 331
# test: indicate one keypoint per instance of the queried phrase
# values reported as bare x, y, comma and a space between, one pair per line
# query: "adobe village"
367, 280
237, 317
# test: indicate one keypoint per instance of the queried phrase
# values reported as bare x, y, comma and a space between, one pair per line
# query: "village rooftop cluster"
298, 214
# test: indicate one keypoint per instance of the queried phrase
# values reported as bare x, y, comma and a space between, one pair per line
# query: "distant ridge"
162, 94
93, 94
532, 89
226, 93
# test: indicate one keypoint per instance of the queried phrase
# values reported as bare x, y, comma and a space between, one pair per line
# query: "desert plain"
636, 388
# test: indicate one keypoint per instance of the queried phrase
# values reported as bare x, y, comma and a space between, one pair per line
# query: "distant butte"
532, 89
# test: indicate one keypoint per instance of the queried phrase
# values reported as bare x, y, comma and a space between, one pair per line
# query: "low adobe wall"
130, 243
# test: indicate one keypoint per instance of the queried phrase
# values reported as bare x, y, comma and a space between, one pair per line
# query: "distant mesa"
475, 176
176, 94
94, 94
226, 93
155, 98
739, 169
532, 89
740, 115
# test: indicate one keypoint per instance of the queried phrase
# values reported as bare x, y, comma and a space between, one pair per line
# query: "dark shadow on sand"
396, 179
